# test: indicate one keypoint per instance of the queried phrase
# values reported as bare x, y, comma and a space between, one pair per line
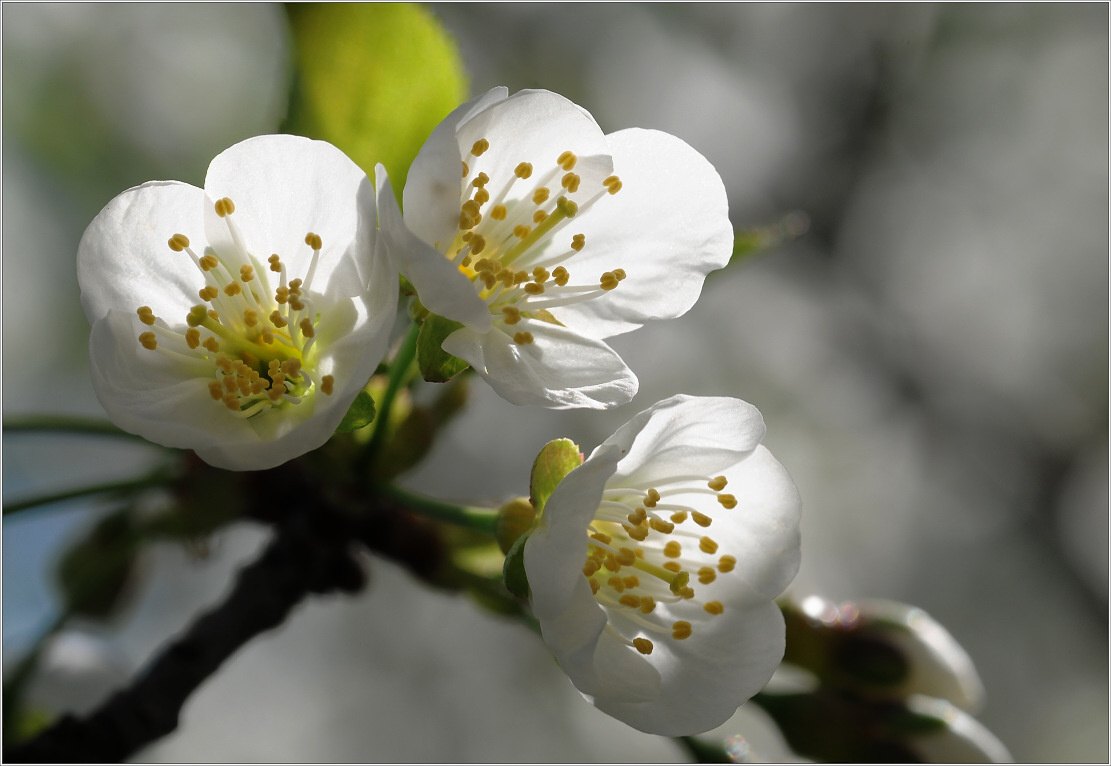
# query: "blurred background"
930, 357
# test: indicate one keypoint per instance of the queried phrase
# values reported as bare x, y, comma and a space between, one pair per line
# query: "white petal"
442, 288
283, 188
667, 227
124, 262
434, 185
559, 369
687, 434
705, 678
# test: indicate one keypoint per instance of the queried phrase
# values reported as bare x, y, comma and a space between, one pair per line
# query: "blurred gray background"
930, 358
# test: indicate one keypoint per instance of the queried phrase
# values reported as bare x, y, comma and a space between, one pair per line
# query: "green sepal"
437, 365
359, 415
557, 459
513, 572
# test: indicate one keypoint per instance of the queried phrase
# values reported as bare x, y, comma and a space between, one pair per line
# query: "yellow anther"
539, 216
651, 498
611, 563
295, 285
679, 517
466, 170
534, 288
523, 170
620, 274
612, 184
281, 295
601, 537
726, 564
520, 277
244, 386
680, 629
626, 556
714, 607
707, 575
246, 272
642, 645
193, 337
292, 367
567, 160
701, 519
250, 317
570, 182
661, 526
647, 604
148, 340
233, 288
224, 206
257, 387
634, 518
489, 279
230, 384
578, 242
727, 500
209, 262
520, 231
540, 196
594, 586
485, 264
215, 390
512, 315
480, 180
590, 567
146, 315
275, 262
630, 600
211, 344
215, 317
687, 593
638, 533
480, 146
275, 393
266, 336
706, 545
296, 303
523, 338
632, 581
609, 280
499, 212
560, 275
313, 241
567, 207
641, 514
277, 319
208, 293
717, 484
327, 384
615, 583
481, 196
673, 550
231, 401
178, 242
224, 364
673, 566
540, 274
478, 244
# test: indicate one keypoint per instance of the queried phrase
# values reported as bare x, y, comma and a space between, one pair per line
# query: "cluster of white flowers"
241, 320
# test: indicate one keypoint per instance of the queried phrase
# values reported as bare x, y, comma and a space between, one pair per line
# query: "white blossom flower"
543, 236
655, 565
242, 319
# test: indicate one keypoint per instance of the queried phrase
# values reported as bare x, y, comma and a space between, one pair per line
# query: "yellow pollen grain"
209, 262
208, 293
612, 184
594, 586
178, 242
480, 146
292, 367
680, 629
231, 401
726, 564
466, 170
215, 317
499, 212
211, 344
520, 277
275, 262
146, 315
567, 160
647, 604
229, 384
701, 519
560, 275
615, 583
590, 567
608, 280
539, 216
478, 244
679, 517
523, 338
534, 288
327, 384
306, 328
250, 317
215, 390
224, 206
578, 242
540, 196
707, 575
480, 180
706, 545
148, 340
717, 484
512, 315
540, 274
714, 607
313, 241
651, 498
638, 533
295, 303
233, 288
602, 537
673, 550
728, 501
662, 526
611, 563
626, 556
295, 284
620, 274
523, 170
630, 600
520, 231
643, 645
277, 319
193, 337
275, 393
673, 566
632, 581
246, 272
570, 182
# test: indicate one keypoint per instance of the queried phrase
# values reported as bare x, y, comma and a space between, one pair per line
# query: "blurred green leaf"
93, 574
516, 582
557, 459
374, 79
755, 239
359, 415
437, 365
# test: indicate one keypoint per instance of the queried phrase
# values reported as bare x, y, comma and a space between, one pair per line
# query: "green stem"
482, 520
399, 370
64, 423
95, 489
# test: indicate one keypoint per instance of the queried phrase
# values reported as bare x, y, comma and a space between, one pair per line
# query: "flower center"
252, 347
505, 227
647, 547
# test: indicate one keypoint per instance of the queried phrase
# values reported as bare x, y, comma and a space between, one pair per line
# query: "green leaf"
437, 365
557, 459
374, 79
516, 582
359, 415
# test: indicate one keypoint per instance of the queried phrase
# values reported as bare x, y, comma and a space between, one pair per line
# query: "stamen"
327, 384
479, 147
148, 340
643, 645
